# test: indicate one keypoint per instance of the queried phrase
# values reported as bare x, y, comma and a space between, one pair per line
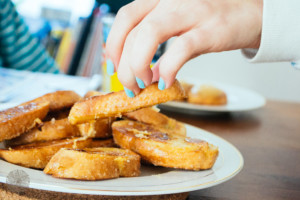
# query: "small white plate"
238, 99
153, 180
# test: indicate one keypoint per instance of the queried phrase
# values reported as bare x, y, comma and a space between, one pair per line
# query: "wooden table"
268, 138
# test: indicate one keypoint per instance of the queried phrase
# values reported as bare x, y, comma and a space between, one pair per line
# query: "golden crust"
37, 155
94, 164
51, 130
161, 121
93, 93
17, 120
207, 95
163, 149
100, 128
59, 100
102, 143
114, 104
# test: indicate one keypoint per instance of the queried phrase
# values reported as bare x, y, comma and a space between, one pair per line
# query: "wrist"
258, 17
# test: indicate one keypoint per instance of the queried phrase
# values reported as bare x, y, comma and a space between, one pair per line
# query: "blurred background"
74, 33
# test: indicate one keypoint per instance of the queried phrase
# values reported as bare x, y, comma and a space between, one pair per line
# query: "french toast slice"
59, 100
37, 155
92, 93
152, 116
163, 149
187, 88
94, 164
102, 143
100, 128
17, 120
207, 95
117, 103
50, 130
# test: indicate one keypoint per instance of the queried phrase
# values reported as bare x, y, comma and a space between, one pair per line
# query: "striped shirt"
18, 48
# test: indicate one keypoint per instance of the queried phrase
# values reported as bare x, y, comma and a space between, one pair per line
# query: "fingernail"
129, 93
140, 83
110, 67
161, 84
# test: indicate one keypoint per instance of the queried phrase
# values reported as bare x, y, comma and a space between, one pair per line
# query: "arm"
18, 48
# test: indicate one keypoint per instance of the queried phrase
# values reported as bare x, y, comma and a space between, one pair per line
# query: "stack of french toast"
100, 136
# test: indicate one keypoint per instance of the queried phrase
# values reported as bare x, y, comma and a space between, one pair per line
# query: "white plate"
153, 180
238, 99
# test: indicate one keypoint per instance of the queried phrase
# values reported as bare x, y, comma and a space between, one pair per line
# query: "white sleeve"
280, 39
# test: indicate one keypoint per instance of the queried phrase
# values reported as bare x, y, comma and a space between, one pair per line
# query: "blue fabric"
18, 48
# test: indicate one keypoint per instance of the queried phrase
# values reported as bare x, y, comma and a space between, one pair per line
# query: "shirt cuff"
280, 39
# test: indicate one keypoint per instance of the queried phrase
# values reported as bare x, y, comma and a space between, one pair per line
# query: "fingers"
125, 74
154, 29
127, 18
138, 30
140, 46
184, 48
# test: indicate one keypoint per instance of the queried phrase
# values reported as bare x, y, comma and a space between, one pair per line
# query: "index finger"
127, 18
